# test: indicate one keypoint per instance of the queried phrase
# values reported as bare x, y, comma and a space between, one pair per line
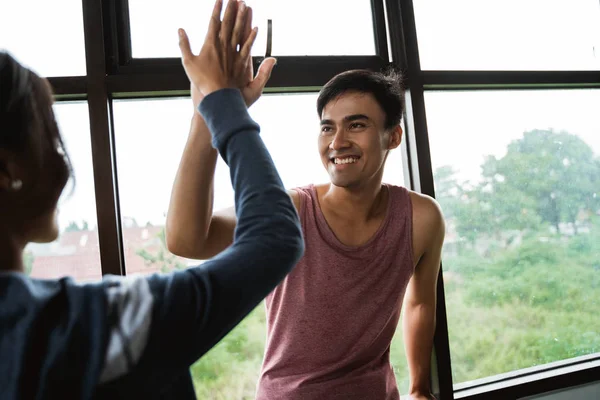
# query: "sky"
463, 126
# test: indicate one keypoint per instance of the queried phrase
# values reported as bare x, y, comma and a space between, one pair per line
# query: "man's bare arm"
420, 298
193, 230
190, 208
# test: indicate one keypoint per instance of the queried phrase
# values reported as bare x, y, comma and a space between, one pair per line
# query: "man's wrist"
421, 393
419, 389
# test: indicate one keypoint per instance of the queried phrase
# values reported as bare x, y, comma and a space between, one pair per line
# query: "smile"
344, 160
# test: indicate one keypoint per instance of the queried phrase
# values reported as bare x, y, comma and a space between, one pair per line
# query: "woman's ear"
9, 177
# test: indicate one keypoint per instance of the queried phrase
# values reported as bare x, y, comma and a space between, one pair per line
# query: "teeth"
349, 160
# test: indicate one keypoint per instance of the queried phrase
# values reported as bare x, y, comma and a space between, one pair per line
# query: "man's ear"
395, 137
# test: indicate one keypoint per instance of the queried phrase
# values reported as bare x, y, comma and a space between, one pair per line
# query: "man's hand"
220, 64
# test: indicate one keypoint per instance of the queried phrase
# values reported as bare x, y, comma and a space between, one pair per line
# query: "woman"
133, 337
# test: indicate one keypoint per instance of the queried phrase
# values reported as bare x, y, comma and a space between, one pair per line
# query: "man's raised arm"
193, 230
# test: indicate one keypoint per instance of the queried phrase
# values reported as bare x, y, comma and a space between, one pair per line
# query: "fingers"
253, 90
247, 32
240, 26
228, 22
245, 50
248, 25
184, 46
264, 73
215, 21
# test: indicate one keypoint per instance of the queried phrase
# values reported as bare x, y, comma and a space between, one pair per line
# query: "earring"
16, 185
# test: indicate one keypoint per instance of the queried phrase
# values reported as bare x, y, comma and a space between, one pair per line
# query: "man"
370, 247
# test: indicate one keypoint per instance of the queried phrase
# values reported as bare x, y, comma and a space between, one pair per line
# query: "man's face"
353, 142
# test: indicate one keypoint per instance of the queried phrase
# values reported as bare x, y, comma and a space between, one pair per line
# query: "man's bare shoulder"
320, 188
428, 220
426, 207
295, 197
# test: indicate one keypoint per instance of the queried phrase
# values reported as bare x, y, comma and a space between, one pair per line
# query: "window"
289, 127
517, 181
336, 27
521, 194
145, 177
508, 34
76, 252
30, 30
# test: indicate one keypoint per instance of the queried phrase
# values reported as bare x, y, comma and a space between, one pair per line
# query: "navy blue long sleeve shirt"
136, 337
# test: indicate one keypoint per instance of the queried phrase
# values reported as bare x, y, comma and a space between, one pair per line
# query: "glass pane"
341, 27
518, 177
230, 371
30, 30
508, 34
76, 252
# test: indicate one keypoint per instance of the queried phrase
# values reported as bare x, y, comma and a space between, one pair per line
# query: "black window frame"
112, 73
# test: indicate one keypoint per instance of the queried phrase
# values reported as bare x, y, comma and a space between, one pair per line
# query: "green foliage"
28, 258
74, 227
230, 369
587, 247
553, 173
546, 177
525, 292
161, 256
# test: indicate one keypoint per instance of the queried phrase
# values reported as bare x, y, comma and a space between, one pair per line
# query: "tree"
545, 176
464, 207
162, 258
532, 301
447, 190
74, 227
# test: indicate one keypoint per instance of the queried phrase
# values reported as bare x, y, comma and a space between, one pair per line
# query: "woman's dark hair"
27, 123
385, 86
